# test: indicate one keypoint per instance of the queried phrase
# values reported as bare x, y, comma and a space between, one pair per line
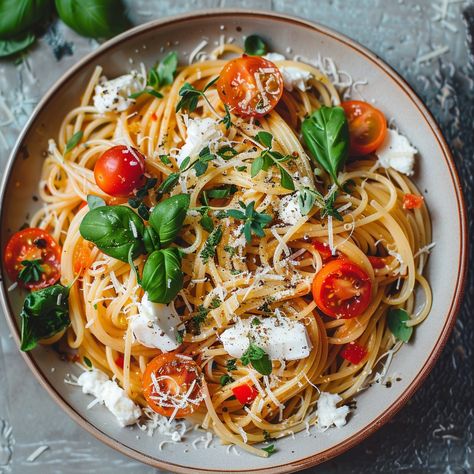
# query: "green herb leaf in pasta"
255, 46
258, 358
396, 320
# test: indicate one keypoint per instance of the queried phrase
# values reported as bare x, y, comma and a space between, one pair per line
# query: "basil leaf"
168, 216
326, 134
167, 68
94, 18
258, 358
255, 46
270, 449
73, 141
15, 45
306, 200
45, 313
151, 240
114, 230
95, 201
162, 277
17, 16
396, 320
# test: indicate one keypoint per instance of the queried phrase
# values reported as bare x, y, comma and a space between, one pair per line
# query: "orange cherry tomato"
412, 201
250, 86
172, 383
82, 257
120, 170
29, 245
367, 127
245, 393
342, 289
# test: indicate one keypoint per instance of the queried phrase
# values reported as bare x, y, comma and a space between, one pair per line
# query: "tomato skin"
120, 170
31, 244
119, 361
245, 393
377, 262
354, 353
175, 376
323, 249
412, 201
367, 127
82, 257
241, 81
342, 289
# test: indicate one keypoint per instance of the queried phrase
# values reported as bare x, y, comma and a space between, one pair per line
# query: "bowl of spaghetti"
245, 235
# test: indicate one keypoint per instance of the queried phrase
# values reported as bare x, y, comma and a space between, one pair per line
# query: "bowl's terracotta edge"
450, 317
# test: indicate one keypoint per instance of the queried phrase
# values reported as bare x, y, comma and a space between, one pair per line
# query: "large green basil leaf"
94, 18
17, 16
13, 46
114, 230
151, 240
326, 134
45, 313
168, 216
162, 277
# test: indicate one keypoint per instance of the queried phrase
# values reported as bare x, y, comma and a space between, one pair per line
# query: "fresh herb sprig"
308, 197
190, 96
254, 222
269, 158
258, 358
209, 249
31, 270
73, 141
137, 202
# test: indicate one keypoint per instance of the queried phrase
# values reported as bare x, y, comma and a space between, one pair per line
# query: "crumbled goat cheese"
200, 133
156, 325
280, 338
289, 209
96, 383
293, 77
114, 95
328, 412
397, 153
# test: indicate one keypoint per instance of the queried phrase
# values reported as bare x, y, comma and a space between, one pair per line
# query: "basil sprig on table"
45, 313
326, 134
119, 232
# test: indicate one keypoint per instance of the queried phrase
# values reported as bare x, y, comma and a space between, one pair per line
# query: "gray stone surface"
434, 432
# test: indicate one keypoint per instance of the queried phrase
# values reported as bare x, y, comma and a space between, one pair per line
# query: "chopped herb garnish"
254, 221
31, 270
241, 168
396, 321
258, 358
235, 272
199, 319
255, 322
215, 302
227, 119
190, 96
209, 249
230, 250
255, 46
227, 152
73, 141
168, 184
137, 202
308, 197
225, 379
87, 362
164, 159
267, 436
270, 449
179, 336
202, 163
231, 365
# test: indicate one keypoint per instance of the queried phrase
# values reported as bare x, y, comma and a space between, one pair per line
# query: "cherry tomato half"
342, 289
37, 246
120, 170
245, 393
167, 381
412, 201
323, 249
367, 127
250, 86
82, 256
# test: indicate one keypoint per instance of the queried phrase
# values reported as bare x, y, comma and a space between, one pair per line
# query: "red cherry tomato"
342, 289
120, 361
245, 393
120, 170
167, 382
250, 86
31, 245
377, 262
82, 256
354, 353
367, 127
323, 249
412, 201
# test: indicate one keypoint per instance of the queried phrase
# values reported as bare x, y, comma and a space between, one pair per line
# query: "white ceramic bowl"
436, 176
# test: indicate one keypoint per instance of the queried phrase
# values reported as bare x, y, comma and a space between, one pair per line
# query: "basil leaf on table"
162, 276
45, 313
396, 321
255, 46
15, 45
114, 230
94, 18
168, 216
326, 134
17, 16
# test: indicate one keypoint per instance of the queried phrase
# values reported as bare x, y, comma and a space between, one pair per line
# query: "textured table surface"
434, 432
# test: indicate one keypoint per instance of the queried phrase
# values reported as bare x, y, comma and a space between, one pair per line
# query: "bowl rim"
450, 318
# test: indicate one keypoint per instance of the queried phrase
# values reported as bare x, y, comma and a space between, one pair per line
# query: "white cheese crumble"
293, 77
201, 132
328, 412
280, 338
97, 383
396, 152
114, 95
156, 325
289, 209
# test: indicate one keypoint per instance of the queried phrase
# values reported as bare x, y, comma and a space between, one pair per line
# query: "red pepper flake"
245, 393
120, 361
354, 353
377, 262
154, 117
412, 201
